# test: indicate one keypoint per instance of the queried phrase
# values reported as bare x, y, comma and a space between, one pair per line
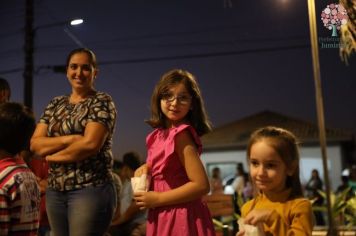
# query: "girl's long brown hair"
197, 116
287, 146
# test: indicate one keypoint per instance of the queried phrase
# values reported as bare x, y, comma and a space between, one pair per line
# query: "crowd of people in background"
130, 220
63, 178
315, 187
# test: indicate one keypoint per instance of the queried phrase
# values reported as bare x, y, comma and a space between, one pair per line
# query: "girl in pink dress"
178, 177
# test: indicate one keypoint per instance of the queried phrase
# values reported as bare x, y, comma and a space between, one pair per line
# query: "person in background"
344, 184
247, 191
74, 134
35, 166
216, 185
313, 186
178, 177
352, 179
117, 167
131, 161
39, 167
5, 91
238, 186
239, 181
19, 191
132, 220
279, 207
117, 172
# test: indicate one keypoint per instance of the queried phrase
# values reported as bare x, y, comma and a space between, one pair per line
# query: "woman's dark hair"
89, 52
286, 145
197, 116
17, 124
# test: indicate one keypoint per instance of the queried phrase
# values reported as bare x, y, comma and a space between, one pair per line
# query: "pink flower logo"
333, 17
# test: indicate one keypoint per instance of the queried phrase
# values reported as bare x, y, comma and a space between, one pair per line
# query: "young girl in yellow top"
279, 207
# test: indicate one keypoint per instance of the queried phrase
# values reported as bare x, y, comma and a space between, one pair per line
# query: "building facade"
225, 146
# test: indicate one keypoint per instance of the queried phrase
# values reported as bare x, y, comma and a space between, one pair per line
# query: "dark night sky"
251, 57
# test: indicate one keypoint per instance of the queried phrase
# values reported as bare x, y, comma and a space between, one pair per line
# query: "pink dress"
167, 172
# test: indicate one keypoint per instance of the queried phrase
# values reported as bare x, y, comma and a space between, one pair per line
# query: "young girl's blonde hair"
287, 146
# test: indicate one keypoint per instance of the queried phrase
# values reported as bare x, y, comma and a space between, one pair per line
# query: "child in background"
19, 192
178, 177
131, 218
216, 185
279, 207
116, 174
39, 166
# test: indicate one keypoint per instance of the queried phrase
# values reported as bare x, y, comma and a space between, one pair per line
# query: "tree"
348, 31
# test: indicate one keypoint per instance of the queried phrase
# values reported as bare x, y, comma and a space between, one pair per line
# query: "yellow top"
293, 217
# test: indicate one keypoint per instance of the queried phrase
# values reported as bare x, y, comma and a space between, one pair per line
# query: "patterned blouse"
65, 118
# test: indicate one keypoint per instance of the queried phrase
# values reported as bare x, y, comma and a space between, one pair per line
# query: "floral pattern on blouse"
65, 118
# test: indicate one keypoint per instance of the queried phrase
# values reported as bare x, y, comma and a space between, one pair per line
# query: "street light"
29, 48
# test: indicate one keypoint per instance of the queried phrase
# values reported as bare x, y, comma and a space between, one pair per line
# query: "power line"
11, 34
205, 43
205, 55
61, 68
178, 44
11, 71
211, 30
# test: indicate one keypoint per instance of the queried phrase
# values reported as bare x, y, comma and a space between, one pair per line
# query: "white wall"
310, 159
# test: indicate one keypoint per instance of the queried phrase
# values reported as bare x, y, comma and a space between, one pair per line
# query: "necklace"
74, 99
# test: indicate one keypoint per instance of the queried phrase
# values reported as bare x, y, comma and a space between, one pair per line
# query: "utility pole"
28, 48
320, 111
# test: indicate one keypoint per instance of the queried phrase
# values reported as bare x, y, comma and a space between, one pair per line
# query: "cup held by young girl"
140, 183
